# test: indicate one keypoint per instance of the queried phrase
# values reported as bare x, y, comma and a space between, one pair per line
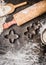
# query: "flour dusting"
4, 10
27, 55
2, 21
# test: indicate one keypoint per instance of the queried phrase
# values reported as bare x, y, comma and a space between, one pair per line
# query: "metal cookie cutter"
43, 37
43, 34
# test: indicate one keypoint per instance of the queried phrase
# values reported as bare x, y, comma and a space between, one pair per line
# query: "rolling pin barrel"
30, 13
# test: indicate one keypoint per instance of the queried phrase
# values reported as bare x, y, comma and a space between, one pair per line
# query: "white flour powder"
4, 10
2, 21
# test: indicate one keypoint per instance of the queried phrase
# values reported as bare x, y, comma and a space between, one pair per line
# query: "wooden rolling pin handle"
7, 25
21, 4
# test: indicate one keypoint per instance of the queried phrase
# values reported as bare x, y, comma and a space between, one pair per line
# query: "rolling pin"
27, 14
9, 8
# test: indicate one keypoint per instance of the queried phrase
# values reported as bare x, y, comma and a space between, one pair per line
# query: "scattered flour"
27, 55
4, 10
2, 2
2, 21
